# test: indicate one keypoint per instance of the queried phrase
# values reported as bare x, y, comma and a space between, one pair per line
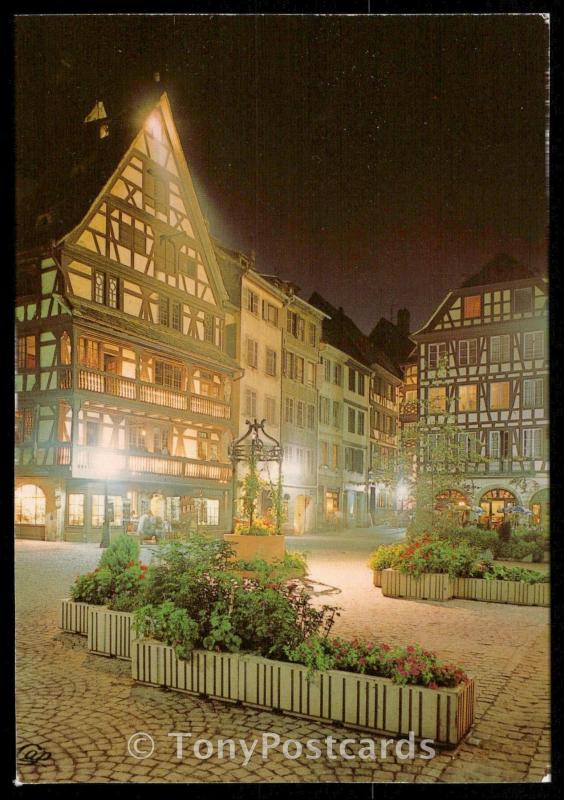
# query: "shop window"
29, 505
76, 509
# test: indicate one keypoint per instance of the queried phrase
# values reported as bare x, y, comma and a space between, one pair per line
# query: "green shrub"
433, 555
386, 556
120, 554
500, 572
168, 624
514, 549
93, 587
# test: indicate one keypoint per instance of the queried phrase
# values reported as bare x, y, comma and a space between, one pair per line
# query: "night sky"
378, 160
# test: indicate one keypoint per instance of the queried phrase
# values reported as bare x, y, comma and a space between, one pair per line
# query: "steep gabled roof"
53, 203
501, 269
341, 332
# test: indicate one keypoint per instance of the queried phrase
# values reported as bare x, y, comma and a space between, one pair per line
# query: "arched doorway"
539, 504
30, 511
494, 503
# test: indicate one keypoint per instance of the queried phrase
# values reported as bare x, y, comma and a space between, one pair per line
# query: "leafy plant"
221, 634
403, 665
120, 553
93, 587
386, 556
168, 624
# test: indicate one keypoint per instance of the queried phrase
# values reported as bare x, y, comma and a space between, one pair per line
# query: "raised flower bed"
497, 591
74, 617
360, 701
247, 547
206, 673
109, 632
429, 586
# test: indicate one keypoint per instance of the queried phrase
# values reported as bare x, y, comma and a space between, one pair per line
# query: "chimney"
403, 321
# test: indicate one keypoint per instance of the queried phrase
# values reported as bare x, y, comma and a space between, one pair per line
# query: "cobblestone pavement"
82, 709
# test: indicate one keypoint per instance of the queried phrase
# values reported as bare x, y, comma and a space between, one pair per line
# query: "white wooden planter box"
431, 586
377, 577
109, 632
440, 587
359, 701
494, 591
74, 617
207, 673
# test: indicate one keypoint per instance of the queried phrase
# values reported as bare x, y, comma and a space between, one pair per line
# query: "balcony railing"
93, 461
93, 380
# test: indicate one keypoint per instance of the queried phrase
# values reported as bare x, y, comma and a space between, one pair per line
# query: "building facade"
483, 362
384, 493
124, 386
255, 341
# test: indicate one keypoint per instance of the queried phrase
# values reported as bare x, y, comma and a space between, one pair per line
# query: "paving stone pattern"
80, 710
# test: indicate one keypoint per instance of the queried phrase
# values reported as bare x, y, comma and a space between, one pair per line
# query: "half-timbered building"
483, 361
122, 375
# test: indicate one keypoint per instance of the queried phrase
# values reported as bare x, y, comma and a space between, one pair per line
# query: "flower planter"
207, 673
365, 702
246, 548
431, 586
74, 617
109, 632
495, 591
440, 587
377, 578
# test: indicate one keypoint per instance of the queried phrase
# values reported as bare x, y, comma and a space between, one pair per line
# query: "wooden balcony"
90, 462
92, 380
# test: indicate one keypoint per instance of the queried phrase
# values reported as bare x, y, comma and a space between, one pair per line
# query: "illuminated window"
26, 352
499, 349
533, 344
437, 398
24, 425
207, 511
472, 306
29, 505
89, 352
331, 503
97, 516
76, 509
468, 397
499, 395
436, 353
467, 352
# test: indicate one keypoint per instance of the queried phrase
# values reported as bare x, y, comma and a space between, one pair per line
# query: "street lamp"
106, 465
